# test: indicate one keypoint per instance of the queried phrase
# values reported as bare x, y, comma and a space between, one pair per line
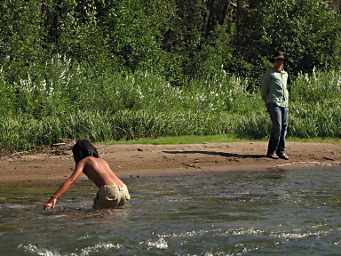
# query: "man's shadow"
214, 153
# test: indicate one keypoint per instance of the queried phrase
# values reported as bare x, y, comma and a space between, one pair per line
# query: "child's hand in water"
51, 203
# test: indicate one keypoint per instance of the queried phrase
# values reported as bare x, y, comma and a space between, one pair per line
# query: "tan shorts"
111, 196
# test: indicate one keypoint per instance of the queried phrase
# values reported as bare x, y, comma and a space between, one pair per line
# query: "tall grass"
62, 100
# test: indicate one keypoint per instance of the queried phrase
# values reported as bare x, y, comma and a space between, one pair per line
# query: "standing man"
275, 95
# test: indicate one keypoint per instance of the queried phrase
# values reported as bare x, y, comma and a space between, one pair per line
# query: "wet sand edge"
163, 160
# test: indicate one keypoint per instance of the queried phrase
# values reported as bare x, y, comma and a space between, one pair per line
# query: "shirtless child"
112, 193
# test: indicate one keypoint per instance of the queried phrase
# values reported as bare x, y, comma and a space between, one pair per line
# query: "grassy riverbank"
79, 102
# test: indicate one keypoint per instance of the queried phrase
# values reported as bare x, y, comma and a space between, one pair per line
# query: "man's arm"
65, 186
289, 83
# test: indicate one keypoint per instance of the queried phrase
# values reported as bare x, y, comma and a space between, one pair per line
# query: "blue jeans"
279, 119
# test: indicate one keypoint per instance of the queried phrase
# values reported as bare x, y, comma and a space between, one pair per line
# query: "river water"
245, 213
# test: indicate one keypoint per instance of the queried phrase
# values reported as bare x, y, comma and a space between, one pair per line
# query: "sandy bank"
141, 160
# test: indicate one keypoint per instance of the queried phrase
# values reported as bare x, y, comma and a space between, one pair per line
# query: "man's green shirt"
274, 88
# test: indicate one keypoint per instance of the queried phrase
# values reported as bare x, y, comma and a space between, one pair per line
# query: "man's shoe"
272, 156
283, 156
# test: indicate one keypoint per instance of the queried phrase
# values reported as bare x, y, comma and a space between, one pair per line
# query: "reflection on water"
290, 213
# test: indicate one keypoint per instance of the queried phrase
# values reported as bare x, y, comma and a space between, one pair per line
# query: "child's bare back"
112, 191
99, 171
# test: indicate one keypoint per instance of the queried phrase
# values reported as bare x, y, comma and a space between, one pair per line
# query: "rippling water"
287, 213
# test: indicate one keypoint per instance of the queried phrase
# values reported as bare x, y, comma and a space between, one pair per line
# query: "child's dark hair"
83, 149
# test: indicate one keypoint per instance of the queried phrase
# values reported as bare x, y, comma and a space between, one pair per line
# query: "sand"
54, 164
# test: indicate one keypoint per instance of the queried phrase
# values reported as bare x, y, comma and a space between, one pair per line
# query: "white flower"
306, 77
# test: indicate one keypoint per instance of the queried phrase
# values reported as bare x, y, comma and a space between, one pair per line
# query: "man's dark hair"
278, 54
83, 149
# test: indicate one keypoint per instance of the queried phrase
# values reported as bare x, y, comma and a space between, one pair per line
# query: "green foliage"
128, 69
316, 105
21, 37
7, 96
137, 33
181, 40
308, 31
80, 101
214, 57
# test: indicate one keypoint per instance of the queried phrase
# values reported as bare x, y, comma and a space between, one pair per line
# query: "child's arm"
66, 185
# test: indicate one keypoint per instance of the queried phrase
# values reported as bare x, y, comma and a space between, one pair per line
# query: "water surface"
265, 213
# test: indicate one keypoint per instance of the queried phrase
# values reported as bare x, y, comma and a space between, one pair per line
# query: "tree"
307, 30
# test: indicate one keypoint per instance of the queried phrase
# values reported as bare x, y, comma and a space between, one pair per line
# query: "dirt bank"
139, 160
